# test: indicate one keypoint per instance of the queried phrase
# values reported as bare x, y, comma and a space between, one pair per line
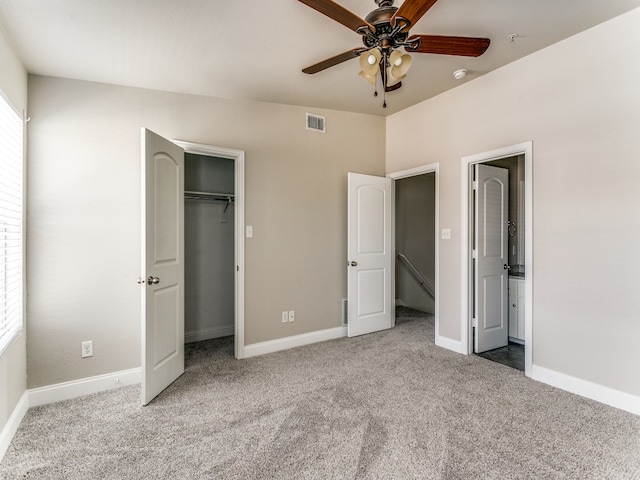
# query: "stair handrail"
423, 281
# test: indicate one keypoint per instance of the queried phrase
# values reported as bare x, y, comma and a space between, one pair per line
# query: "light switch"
446, 233
249, 231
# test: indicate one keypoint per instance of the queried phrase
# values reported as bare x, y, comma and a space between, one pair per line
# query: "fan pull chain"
384, 78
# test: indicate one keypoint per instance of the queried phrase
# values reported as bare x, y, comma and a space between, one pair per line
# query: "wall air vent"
316, 123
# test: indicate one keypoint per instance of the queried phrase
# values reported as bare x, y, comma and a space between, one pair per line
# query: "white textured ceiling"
255, 49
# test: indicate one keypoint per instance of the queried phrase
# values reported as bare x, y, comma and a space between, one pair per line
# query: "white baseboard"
450, 344
84, 386
208, 334
280, 344
599, 393
10, 429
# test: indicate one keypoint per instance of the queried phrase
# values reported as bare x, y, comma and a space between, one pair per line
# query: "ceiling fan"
383, 31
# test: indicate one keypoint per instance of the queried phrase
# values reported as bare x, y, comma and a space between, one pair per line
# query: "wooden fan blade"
338, 13
330, 62
412, 10
445, 45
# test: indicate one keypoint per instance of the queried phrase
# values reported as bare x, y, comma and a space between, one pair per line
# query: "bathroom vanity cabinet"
516, 309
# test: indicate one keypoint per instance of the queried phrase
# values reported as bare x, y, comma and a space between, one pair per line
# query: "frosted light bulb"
371, 60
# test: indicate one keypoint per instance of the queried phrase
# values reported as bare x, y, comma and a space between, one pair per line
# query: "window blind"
11, 215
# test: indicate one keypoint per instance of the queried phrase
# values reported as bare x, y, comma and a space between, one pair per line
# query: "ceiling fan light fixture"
368, 77
370, 61
392, 79
386, 29
399, 63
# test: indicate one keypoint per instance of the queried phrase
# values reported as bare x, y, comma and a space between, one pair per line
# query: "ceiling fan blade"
330, 62
445, 45
338, 13
412, 10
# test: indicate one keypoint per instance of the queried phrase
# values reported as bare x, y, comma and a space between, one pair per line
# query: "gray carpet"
390, 405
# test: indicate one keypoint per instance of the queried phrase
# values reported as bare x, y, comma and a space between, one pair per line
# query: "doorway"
416, 243
209, 215
163, 266
214, 176
512, 291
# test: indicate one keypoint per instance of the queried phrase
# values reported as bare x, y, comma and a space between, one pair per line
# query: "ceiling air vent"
316, 123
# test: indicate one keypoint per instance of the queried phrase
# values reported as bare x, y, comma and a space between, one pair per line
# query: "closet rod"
228, 197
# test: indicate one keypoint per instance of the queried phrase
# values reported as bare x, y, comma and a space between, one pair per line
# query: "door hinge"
474, 254
474, 322
475, 184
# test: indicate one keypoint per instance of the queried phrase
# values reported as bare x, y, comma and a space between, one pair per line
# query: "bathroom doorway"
498, 260
510, 285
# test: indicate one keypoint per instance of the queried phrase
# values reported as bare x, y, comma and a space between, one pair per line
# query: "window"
11, 214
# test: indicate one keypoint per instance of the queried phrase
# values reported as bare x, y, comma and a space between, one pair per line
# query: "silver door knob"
140, 281
152, 280
507, 267
353, 264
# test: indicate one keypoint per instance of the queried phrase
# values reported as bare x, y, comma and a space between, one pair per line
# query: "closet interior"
209, 247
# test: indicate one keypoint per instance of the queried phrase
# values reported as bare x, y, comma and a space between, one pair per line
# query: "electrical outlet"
285, 317
87, 349
292, 315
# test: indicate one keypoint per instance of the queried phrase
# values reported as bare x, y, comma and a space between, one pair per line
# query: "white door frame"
238, 160
412, 172
466, 328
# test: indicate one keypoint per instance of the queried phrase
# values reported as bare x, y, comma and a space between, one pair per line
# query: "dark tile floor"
512, 355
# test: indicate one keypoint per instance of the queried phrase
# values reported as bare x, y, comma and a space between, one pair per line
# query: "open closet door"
162, 264
369, 254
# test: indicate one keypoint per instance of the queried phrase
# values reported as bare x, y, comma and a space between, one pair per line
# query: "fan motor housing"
380, 18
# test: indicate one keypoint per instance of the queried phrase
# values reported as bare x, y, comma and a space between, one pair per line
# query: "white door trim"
412, 172
525, 149
238, 157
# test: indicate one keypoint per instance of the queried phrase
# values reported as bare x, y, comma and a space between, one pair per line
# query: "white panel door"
369, 255
162, 264
491, 275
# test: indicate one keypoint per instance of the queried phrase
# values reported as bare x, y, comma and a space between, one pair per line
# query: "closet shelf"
224, 197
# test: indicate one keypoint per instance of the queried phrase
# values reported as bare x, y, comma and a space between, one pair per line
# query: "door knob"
353, 264
506, 267
152, 280
140, 281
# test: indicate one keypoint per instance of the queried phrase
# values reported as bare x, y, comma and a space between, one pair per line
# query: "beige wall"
579, 102
84, 217
13, 369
